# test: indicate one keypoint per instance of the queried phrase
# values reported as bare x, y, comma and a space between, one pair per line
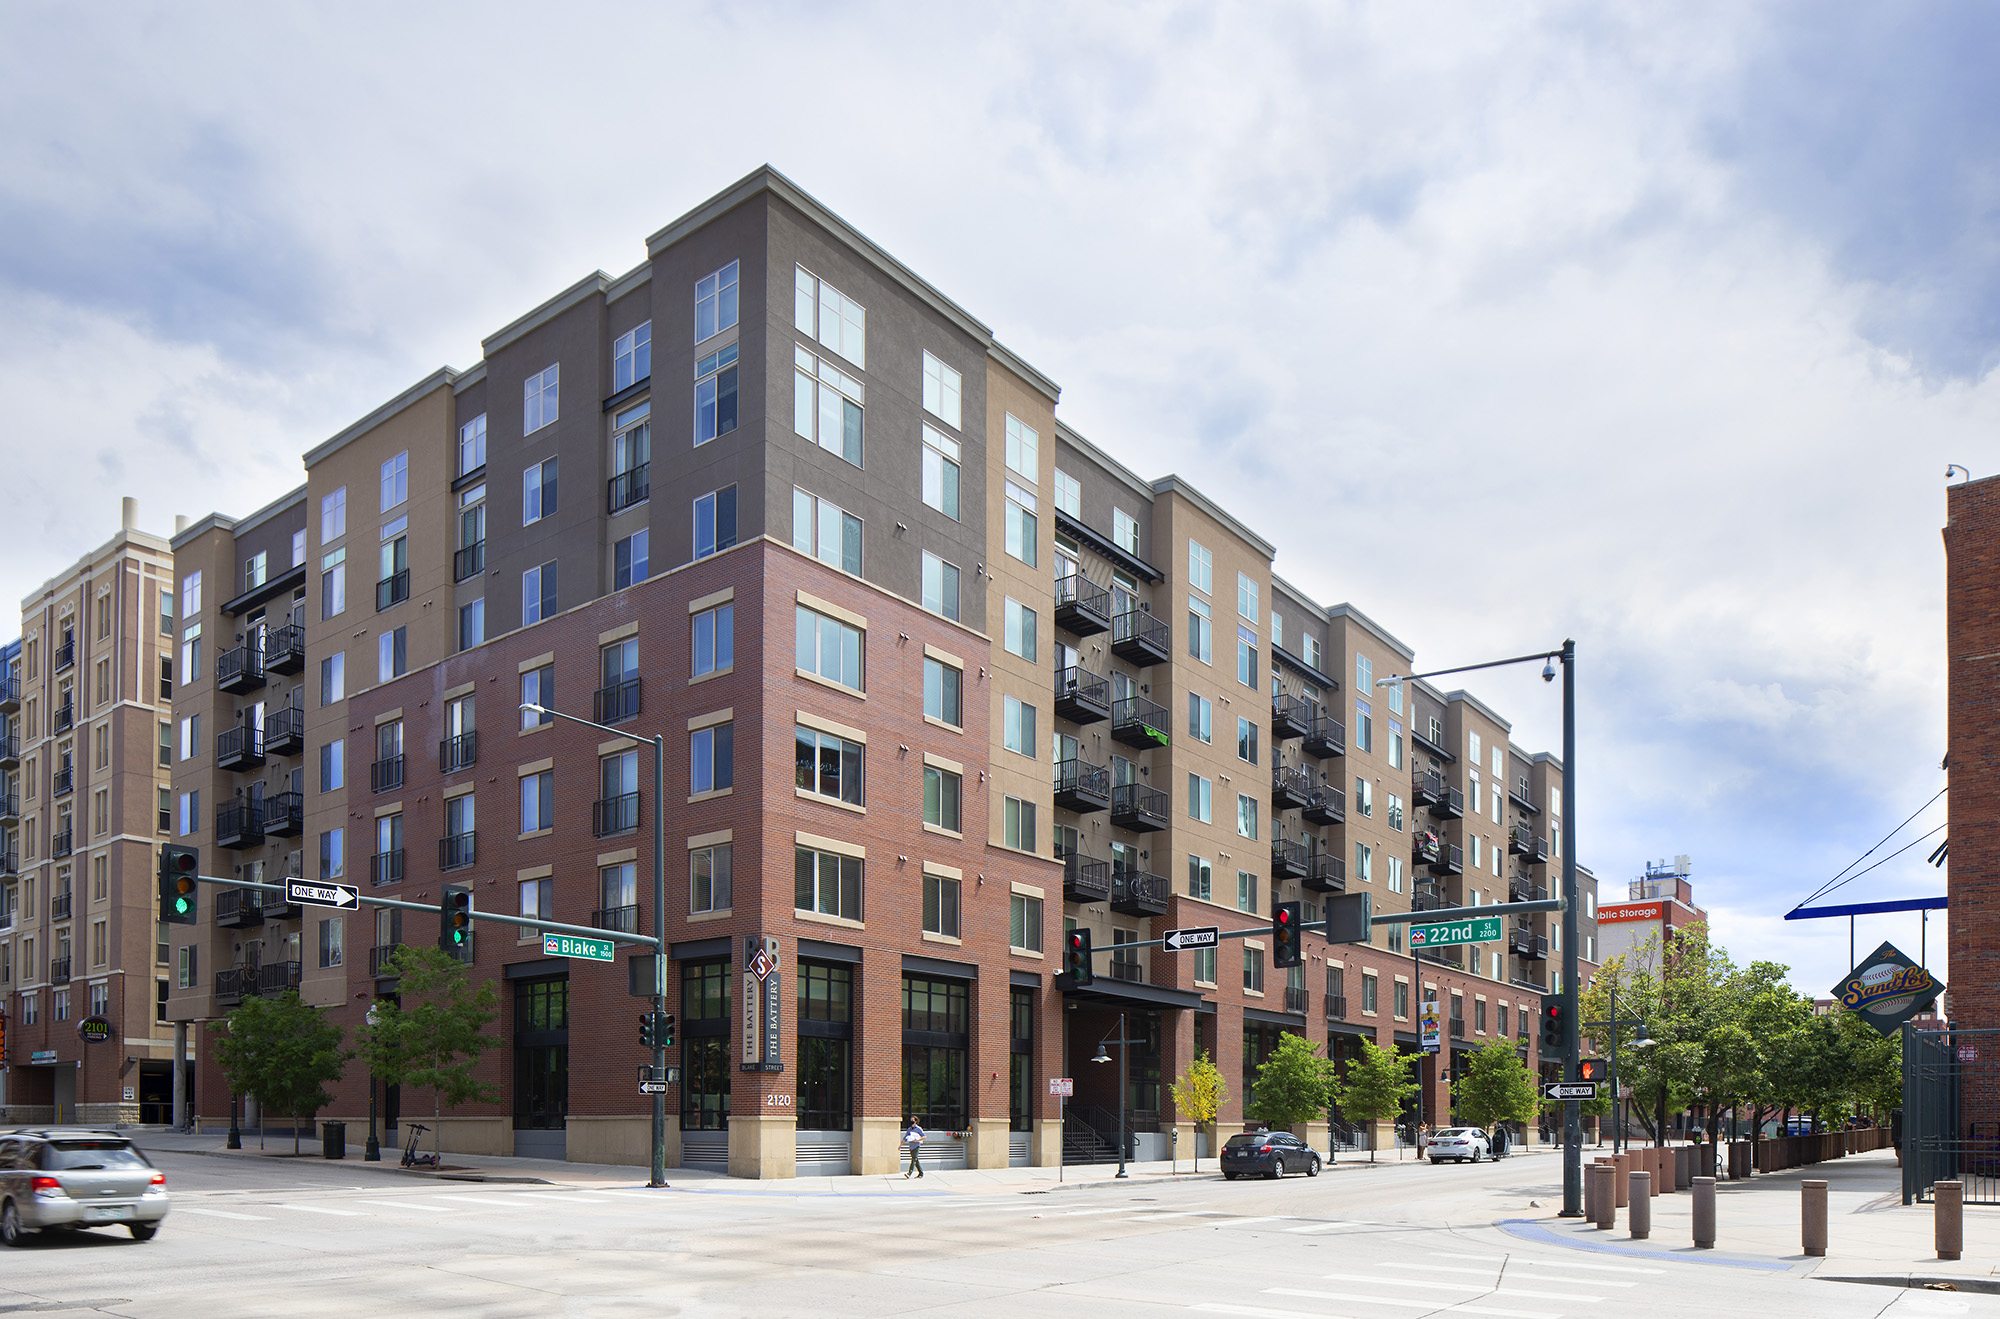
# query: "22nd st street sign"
1475, 929
571, 945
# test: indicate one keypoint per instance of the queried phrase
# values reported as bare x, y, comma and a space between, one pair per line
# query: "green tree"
433, 1037
1294, 1084
1198, 1096
283, 1051
1495, 1086
1377, 1086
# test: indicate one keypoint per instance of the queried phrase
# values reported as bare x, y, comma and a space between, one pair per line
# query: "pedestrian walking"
913, 1140
1423, 1138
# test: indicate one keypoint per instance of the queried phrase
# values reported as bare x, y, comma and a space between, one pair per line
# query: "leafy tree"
1377, 1086
284, 1051
1496, 1086
433, 1037
1199, 1095
1294, 1084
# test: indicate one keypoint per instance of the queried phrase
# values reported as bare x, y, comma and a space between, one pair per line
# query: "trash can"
333, 1139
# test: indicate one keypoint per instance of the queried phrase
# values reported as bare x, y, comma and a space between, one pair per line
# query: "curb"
1529, 1229
468, 1175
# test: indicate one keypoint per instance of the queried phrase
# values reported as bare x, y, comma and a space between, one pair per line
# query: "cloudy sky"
1654, 326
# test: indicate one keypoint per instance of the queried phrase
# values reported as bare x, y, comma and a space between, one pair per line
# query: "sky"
1651, 326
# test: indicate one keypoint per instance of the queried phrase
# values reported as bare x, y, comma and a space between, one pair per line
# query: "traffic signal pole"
1572, 1206
659, 1170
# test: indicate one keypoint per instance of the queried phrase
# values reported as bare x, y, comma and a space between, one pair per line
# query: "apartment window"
940, 586
190, 656
1368, 993
1018, 725
538, 901
1396, 696
714, 639
943, 686
1472, 791
331, 938
1018, 823
1364, 672
715, 525
392, 654
471, 624
1204, 966
187, 973
1253, 969
1020, 629
333, 765
471, 533
332, 854
166, 810
1246, 657
1472, 846
1246, 740
472, 445
1472, 747
1022, 525
1246, 891
712, 757
1364, 796
538, 688
166, 613
1395, 812
1201, 718
1312, 651
715, 395
1364, 726
100, 747
941, 391
1277, 632
1201, 640
332, 584
628, 560
166, 677
828, 883
827, 406
1246, 597
1069, 494
538, 802
255, 572
714, 302
632, 356
941, 459
1125, 531
631, 457
829, 648
395, 481
191, 595
539, 494
941, 895
1024, 923
540, 394
166, 744
1395, 742
942, 790
190, 736
1402, 990
1246, 815
1364, 863
189, 823
1201, 568
1201, 877
709, 879
1200, 799
1500, 1011
538, 594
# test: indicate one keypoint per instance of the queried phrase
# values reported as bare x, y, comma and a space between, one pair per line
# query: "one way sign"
322, 895
1570, 1090
1200, 936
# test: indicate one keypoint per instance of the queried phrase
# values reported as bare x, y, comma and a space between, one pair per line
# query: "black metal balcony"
1426, 787
285, 650
1082, 697
1082, 786
64, 718
238, 908
275, 906
1138, 893
277, 977
1083, 608
233, 985
615, 815
1138, 808
1085, 880
1297, 998
386, 774
623, 920
10, 693
1524, 843
1130, 972
60, 905
386, 867
1523, 942
239, 824
10, 807
239, 670
1451, 860
239, 748
10, 750
1523, 889
1328, 806
378, 959
1288, 859
285, 731
10, 864
392, 590
628, 488
1325, 873
1139, 638
1457, 1027
62, 844
457, 753
1336, 1007
59, 970
1449, 955
616, 702
1426, 851
469, 561
63, 781
285, 814
1427, 898
63, 656
1450, 805
457, 851
1292, 788
1291, 716
1138, 722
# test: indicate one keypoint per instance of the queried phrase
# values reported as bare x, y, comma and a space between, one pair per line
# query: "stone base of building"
459, 1135
28, 1115
762, 1146
625, 1141
1382, 1136
1046, 1149
878, 1144
986, 1143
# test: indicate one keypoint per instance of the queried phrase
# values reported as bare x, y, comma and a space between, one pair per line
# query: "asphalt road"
276, 1237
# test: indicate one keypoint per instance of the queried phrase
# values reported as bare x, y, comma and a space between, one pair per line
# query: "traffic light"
455, 922
648, 1038
178, 868
1555, 1024
665, 1030
1593, 1069
1285, 950
1076, 958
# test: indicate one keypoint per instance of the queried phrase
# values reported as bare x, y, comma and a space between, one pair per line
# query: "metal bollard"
1621, 1181
1704, 1213
1640, 1221
1948, 1206
1812, 1217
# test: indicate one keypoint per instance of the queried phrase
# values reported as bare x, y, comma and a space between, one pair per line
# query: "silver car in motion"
77, 1179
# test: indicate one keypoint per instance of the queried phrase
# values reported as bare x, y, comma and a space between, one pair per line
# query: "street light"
659, 746
373, 1152
1640, 1040
1103, 1057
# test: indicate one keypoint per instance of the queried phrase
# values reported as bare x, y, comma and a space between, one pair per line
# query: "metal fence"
1951, 1112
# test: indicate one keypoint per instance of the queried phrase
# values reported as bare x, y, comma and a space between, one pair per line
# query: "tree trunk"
295, 1135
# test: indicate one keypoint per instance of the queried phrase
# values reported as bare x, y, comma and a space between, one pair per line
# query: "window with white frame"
539, 394
941, 390
1201, 793
1017, 726
1201, 718
1201, 637
826, 531
632, 356
941, 459
943, 794
1024, 450
829, 648
1024, 923
1017, 823
709, 879
1246, 596
1395, 878
940, 586
824, 313
333, 516
1022, 524
1364, 796
713, 643
1069, 494
472, 445
1201, 567
715, 524
395, 481
715, 298
827, 406
1246, 815
943, 692
191, 595
538, 594
1312, 651
715, 395
538, 492
828, 883
941, 904
1201, 877
629, 560
1124, 531
1364, 863
1246, 891
1019, 626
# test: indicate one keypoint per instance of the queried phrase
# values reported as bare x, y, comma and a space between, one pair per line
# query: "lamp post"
1640, 1040
373, 1152
1124, 1046
659, 747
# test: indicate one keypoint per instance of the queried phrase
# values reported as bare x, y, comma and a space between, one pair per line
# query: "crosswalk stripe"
1091, 1213
217, 1213
408, 1204
1553, 1281
1538, 1262
509, 1202
1505, 1314
1245, 1222
1320, 1227
321, 1209
1257, 1311
1179, 1213
1407, 1302
1404, 1282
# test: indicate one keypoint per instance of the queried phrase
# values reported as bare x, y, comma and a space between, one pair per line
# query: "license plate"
106, 1213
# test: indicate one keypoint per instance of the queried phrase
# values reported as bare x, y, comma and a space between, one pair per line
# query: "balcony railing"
1426, 787
1083, 608
1325, 873
628, 488
1523, 889
1086, 880
277, 977
386, 774
10, 805
238, 907
457, 753
616, 702
392, 590
64, 781
239, 748
59, 970
59, 906
63, 656
285, 814
285, 731
64, 718
1138, 893
1291, 716
1336, 1007
10, 864
1450, 861
1082, 697
1082, 786
386, 867
1138, 722
275, 906
240, 669
285, 649
1328, 806
469, 561
239, 824
1297, 998
1326, 738
1526, 943
1526, 843
10, 693
624, 920
1139, 638
1138, 808
1288, 859
61, 843
1292, 787
615, 815
1450, 804
1132, 973
10, 749
457, 851
378, 959
1457, 1027
233, 985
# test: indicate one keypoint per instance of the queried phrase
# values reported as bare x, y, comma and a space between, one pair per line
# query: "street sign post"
322, 895
1062, 1086
1566, 1090
1199, 936
1477, 929
571, 945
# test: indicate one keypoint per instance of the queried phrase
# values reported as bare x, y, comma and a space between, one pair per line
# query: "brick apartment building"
938, 677
1972, 744
84, 700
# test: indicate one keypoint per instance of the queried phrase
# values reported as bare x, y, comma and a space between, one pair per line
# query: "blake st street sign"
571, 945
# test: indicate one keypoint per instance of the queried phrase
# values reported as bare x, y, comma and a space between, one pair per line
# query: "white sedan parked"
1460, 1143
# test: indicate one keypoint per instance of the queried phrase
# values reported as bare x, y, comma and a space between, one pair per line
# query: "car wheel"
1277, 1169
143, 1231
1230, 1176
1312, 1169
1436, 1161
11, 1230
1475, 1156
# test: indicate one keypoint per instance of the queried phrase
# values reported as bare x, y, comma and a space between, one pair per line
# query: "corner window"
827, 406
826, 531
829, 648
715, 395
828, 883
822, 312
715, 523
828, 765
713, 639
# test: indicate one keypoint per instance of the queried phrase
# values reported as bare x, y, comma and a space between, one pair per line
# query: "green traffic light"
182, 906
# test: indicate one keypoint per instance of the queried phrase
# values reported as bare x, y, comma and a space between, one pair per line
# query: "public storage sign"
1629, 911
